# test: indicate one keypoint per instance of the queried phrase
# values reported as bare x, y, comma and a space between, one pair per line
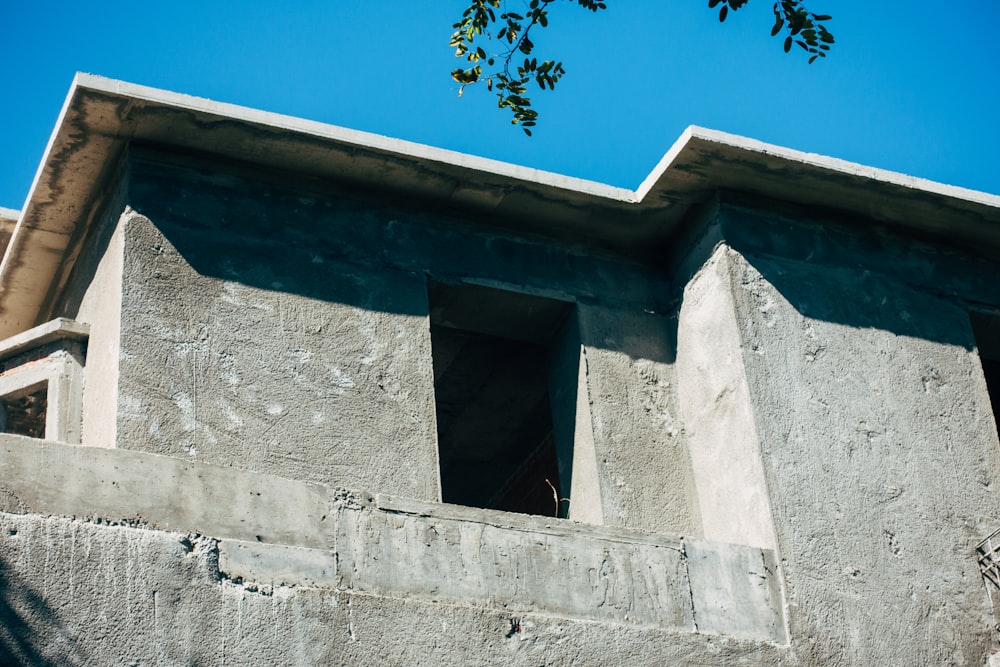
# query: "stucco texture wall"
274, 329
79, 593
877, 440
255, 354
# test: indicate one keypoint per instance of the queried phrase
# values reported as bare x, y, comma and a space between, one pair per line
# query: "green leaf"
788, 44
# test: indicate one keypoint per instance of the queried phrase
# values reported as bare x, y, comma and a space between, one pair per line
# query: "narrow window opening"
493, 376
986, 329
23, 412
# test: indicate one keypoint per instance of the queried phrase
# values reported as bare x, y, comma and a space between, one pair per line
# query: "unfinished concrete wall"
164, 568
643, 464
881, 458
149, 597
875, 436
717, 414
308, 369
94, 297
281, 331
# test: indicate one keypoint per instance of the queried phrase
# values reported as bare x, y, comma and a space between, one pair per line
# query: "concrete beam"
58, 329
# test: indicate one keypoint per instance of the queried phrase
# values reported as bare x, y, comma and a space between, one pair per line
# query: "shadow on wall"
30, 631
349, 248
303, 238
861, 299
863, 277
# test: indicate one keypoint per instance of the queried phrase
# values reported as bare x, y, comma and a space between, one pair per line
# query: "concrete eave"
101, 116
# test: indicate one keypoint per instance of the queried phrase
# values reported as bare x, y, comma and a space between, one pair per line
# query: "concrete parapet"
273, 532
519, 563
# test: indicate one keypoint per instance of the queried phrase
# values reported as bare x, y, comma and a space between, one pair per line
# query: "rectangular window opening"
494, 374
23, 412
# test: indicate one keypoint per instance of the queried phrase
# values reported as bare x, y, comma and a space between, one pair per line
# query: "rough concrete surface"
632, 391
79, 593
333, 385
165, 492
300, 346
881, 460
578, 575
94, 296
137, 594
716, 412
766, 349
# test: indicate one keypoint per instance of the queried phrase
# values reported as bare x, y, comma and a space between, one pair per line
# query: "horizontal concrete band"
276, 531
159, 491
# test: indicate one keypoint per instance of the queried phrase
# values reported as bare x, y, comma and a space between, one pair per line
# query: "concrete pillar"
716, 411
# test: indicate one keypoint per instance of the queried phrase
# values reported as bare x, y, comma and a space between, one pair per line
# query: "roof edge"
101, 116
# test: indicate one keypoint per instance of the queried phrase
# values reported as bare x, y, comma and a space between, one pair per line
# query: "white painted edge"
506, 169
696, 133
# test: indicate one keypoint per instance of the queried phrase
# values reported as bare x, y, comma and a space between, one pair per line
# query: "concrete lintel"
58, 329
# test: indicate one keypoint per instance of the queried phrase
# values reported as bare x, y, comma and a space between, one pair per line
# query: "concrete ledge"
274, 531
171, 494
523, 522
58, 329
575, 572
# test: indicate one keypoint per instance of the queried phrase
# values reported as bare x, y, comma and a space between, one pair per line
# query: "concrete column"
716, 412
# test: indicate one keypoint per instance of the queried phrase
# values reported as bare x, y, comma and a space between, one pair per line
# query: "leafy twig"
802, 27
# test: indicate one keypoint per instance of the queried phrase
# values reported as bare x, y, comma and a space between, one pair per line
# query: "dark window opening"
987, 332
493, 372
23, 413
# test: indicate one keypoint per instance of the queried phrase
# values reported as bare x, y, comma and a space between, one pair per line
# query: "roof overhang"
102, 116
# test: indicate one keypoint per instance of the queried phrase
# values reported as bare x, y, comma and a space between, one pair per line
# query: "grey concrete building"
276, 392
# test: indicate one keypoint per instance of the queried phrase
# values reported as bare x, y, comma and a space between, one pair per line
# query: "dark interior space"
491, 352
986, 328
24, 412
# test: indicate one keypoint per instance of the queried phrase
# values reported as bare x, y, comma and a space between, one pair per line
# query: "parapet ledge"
57, 329
275, 531
522, 522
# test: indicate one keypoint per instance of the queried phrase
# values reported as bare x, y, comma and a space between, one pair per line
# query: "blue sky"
911, 87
